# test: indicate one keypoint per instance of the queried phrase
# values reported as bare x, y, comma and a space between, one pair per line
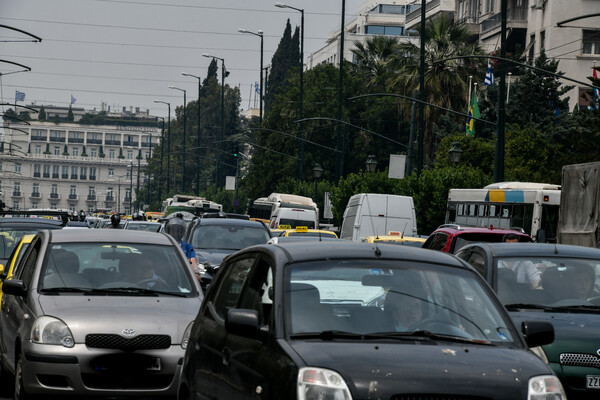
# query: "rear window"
228, 237
476, 237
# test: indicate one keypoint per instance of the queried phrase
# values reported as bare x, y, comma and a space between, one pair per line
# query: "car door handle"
226, 355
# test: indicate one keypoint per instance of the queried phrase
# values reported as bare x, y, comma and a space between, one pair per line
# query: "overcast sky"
126, 53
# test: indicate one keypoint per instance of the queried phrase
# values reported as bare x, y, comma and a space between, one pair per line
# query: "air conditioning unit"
539, 4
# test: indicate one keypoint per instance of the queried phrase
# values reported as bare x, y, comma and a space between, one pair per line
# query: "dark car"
555, 283
345, 320
12, 230
450, 238
215, 238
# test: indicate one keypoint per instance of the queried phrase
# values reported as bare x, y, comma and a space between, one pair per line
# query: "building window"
129, 155
75, 151
46, 171
36, 188
16, 205
93, 173
53, 206
111, 172
17, 189
109, 193
54, 189
55, 169
72, 208
83, 173
65, 172
542, 41
128, 174
34, 205
17, 168
147, 155
591, 42
73, 172
56, 150
111, 153
490, 6
36, 170
73, 190
94, 152
38, 149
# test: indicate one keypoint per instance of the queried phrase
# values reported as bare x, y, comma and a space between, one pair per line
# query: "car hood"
389, 369
112, 314
215, 257
574, 332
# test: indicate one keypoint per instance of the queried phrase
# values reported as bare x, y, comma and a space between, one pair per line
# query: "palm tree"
446, 82
374, 60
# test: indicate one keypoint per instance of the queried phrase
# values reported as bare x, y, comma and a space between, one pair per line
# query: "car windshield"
376, 297
228, 237
11, 236
144, 226
548, 281
94, 267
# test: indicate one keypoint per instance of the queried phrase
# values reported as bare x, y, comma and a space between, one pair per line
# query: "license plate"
592, 382
155, 365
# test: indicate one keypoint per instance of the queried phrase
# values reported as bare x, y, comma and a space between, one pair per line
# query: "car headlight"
321, 384
186, 335
545, 387
539, 351
50, 330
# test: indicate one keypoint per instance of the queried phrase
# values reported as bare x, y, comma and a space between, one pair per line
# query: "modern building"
74, 166
375, 17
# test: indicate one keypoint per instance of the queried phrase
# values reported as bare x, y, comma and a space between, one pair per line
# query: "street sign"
236, 203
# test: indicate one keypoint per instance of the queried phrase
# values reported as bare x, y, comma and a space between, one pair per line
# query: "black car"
345, 320
215, 238
555, 283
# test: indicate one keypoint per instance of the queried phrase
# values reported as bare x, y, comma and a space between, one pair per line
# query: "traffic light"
236, 150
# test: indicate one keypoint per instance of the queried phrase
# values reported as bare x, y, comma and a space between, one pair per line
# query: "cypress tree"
42, 114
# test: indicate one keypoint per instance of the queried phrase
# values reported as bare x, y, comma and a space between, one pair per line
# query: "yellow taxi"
395, 238
6, 271
304, 231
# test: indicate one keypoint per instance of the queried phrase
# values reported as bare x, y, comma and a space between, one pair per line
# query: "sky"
126, 53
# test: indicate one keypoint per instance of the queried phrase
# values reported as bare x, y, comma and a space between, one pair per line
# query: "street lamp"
183, 142
198, 138
317, 172
168, 146
455, 152
223, 75
301, 144
371, 163
259, 33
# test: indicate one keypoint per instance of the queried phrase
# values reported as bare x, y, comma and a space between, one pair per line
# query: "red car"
451, 237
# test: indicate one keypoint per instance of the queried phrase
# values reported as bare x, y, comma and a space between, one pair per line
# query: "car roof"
108, 235
229, 221
396, 238
537, 250
458, 229
31, 221
301, 251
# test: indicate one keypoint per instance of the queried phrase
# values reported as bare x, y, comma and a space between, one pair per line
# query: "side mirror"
537, 333
1, 269
540, 236
14, 287
244, 322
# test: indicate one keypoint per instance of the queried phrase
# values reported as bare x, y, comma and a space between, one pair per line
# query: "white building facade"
74, 166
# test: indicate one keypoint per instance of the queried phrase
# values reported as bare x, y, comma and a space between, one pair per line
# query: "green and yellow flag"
473, 113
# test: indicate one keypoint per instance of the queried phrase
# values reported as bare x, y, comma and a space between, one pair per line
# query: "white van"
370, 214
294, 217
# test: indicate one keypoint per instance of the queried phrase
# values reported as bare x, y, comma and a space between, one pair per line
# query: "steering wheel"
159, 283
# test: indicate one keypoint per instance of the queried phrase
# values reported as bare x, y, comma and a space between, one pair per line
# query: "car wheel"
19, 389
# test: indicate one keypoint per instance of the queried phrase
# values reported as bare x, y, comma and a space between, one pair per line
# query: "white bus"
533, 207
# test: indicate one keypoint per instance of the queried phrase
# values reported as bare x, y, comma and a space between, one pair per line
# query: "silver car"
98, 313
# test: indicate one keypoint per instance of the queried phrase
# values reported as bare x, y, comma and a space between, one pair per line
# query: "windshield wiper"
416, 335
529, 306
578, 307
134, 291
66, 290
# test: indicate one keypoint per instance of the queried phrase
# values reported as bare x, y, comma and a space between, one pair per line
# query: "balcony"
54, 176
54, 196
110, 199
94, 141
112, 142
91, 197
127, 199
46, 174
92, 177
57, 139
514, 15
65, 176
16, 194
82, 176
128, 143
35, 195
149, 145
75, 140
73, 197
36, 174
38, 138
74, 176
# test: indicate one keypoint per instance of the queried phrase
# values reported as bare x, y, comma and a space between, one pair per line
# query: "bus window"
505, 212
482, 210
472, 210
460, 209
493, 210
549, 221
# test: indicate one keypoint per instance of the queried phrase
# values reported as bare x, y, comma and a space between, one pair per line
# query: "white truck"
370, 214
293, 210
579, 217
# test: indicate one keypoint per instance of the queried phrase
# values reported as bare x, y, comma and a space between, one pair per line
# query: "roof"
110, 236
467, 229
346, 249
397, 238
31, 222
540, 250
229, 222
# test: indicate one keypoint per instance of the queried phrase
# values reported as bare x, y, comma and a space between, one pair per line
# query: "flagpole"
508, 88
469, 98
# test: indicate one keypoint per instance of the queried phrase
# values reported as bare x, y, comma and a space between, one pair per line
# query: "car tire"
20, 393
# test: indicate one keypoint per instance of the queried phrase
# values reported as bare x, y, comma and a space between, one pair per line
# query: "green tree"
70, 117
42, 114
285, 58
375, 61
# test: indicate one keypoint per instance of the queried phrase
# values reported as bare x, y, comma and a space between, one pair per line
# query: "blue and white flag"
19, 96
256, 87
73, 99
489, 75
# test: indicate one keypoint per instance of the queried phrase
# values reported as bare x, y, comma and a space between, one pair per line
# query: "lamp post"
168, 147
259, 33
301, 144
317, 172
340, 140
183, 142
455, 152
162, 146
218, 177
420, 152
198, 134
371, 163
